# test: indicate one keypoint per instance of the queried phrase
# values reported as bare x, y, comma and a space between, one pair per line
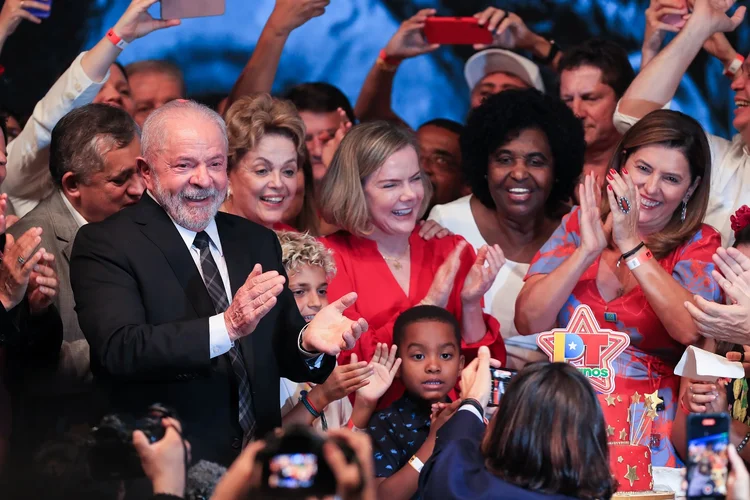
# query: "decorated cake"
616, 414
631, 466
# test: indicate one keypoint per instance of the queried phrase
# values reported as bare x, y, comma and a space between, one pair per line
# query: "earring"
684, 211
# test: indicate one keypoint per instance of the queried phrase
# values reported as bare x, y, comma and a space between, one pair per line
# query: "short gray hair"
155, 130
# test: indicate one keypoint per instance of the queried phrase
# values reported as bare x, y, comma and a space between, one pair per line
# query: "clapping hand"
441, 413
385, 365
409, 40
331, 144
624, 204
289, 15
18, 261
593, 233
481, 276
43, 284
331, 332
255, 298
344, 380
442, 283
136, 22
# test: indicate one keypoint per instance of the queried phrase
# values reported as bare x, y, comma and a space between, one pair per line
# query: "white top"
456, 216
730, 177
337, 413
76, 216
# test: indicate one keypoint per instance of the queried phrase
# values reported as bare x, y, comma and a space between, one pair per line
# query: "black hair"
319, 97
501, 118
418, 314
742, 237
122, 68
447, 124
608, 56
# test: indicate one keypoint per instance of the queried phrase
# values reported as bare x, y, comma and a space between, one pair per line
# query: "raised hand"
331, 144
18, 261
593, 236
385, 365
345, 379
624, 204
476, 380
136, 22
255, 298
429, 229
714, 14
164, 461
409, 41
445, 277
289, 15
331, 332
14, 11
509, 31
481, 276
734, 267
43, 285
662, 17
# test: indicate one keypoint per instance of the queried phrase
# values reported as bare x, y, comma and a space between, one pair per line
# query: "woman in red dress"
266, 152
634, 260
376, 191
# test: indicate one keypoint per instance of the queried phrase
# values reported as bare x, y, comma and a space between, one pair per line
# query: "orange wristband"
116, 40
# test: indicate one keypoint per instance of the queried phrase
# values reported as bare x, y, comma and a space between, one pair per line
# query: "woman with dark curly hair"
522, 155
635, 255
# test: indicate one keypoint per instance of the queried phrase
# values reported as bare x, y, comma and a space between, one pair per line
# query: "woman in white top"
522, 154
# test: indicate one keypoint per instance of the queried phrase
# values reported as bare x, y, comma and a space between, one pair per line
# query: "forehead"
274, 147
117, 159
311, 275
430, 333
401, 164
663, 158
116, 75
156, 82
530, 139
581, 79
501, 79
316, 122
190, 131
433, 136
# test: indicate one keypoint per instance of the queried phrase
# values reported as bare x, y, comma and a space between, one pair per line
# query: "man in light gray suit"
93, 165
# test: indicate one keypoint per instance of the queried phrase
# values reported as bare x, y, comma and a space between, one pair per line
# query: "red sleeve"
492, 337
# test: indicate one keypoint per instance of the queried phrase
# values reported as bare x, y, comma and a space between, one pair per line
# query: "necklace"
396, 261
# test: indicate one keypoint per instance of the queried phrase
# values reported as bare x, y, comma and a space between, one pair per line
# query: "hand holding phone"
136, 22
456, 31
708, 456
500, 378
37, 11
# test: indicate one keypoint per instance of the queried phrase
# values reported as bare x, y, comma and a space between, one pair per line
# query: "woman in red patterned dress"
635, 258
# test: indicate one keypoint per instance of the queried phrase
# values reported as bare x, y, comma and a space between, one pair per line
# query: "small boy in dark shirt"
403, 435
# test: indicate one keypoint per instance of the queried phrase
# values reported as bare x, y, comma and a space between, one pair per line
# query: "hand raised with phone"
136, 22
409, 40
15, 11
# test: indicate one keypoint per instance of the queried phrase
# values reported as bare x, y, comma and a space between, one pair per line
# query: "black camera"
112, 455
294, 465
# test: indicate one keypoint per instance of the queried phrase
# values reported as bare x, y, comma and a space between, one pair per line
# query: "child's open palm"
385, 366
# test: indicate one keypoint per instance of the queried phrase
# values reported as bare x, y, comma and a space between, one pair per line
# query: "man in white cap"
494, 70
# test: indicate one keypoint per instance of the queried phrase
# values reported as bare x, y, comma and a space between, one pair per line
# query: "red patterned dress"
648, 364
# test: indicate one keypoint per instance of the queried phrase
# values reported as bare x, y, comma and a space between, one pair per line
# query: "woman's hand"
288, 15
330, 145
703, 397
136, 22
593, 235
429, 229
43, 285
656, 27
344, 380
385, 365
481, 277
18, 261
14, 11
624, 203
712, 14
442, 283
409, 41
743, 357
476, 380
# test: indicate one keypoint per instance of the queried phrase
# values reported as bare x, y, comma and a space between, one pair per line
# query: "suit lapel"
64, 224
159, 228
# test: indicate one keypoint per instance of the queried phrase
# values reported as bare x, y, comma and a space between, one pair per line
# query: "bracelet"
386, 63
313, 411
743, 443
416, 463
635, 262
116, 40
476, 404
683, 407
734, 66
553, 51
630, 253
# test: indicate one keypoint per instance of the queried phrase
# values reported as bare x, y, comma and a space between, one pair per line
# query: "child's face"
310, 289
430, 360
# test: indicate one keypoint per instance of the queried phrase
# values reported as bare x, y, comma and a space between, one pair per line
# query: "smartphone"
500, 378
182, 9
708, 459
41, 14
456, 31
673, 19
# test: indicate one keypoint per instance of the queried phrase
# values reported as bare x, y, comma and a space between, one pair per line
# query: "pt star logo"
586, 346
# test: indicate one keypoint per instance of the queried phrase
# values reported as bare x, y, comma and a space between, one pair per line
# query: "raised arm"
657, 83
260, 70
13, 12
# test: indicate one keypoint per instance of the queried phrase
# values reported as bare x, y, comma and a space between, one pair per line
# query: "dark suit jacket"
144, 309
456, 468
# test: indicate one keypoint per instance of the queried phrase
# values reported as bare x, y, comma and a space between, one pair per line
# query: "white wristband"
416, 463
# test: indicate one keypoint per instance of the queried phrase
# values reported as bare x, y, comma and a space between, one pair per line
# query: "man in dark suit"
153, 285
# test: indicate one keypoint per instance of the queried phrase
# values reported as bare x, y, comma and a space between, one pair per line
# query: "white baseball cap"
489, 61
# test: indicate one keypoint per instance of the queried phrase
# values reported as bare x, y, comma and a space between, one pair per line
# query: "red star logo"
587, 346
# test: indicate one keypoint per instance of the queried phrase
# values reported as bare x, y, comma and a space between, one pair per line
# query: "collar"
76, 216
188, 235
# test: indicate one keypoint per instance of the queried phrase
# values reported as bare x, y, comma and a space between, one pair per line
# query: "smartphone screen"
708, 459
293, 470
41, 14
500, 379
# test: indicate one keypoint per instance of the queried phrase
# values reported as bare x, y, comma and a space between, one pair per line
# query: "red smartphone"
181, 9
456, 31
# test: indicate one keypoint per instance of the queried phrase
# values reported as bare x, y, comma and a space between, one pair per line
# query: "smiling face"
520, 174
741, 87
593, 102
310, 289
116, 91
394, 193
662, 176
264, 182
431, 360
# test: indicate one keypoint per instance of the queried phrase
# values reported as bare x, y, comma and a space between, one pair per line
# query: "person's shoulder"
339, 241
456, 208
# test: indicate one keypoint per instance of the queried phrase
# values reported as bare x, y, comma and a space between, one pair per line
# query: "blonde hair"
361, 153
301, 249
250, 118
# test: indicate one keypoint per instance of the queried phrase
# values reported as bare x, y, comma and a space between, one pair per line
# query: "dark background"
340, 47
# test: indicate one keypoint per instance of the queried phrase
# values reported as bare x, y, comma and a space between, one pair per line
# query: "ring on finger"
693, 398
21, 260
21, 4
624, 204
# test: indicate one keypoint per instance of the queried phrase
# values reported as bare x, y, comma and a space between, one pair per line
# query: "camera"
294, 465
500, 378
112, 455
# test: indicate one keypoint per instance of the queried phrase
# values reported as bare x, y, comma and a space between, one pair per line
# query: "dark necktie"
215, 287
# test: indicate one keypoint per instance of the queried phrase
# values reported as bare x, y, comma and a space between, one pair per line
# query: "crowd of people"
283, 262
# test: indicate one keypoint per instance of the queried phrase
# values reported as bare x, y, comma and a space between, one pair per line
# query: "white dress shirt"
76, 216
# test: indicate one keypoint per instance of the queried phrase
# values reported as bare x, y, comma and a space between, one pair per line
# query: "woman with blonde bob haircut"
376, 192
266, 151
635, 255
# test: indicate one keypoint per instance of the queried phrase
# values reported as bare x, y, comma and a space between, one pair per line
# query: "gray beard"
194, 219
